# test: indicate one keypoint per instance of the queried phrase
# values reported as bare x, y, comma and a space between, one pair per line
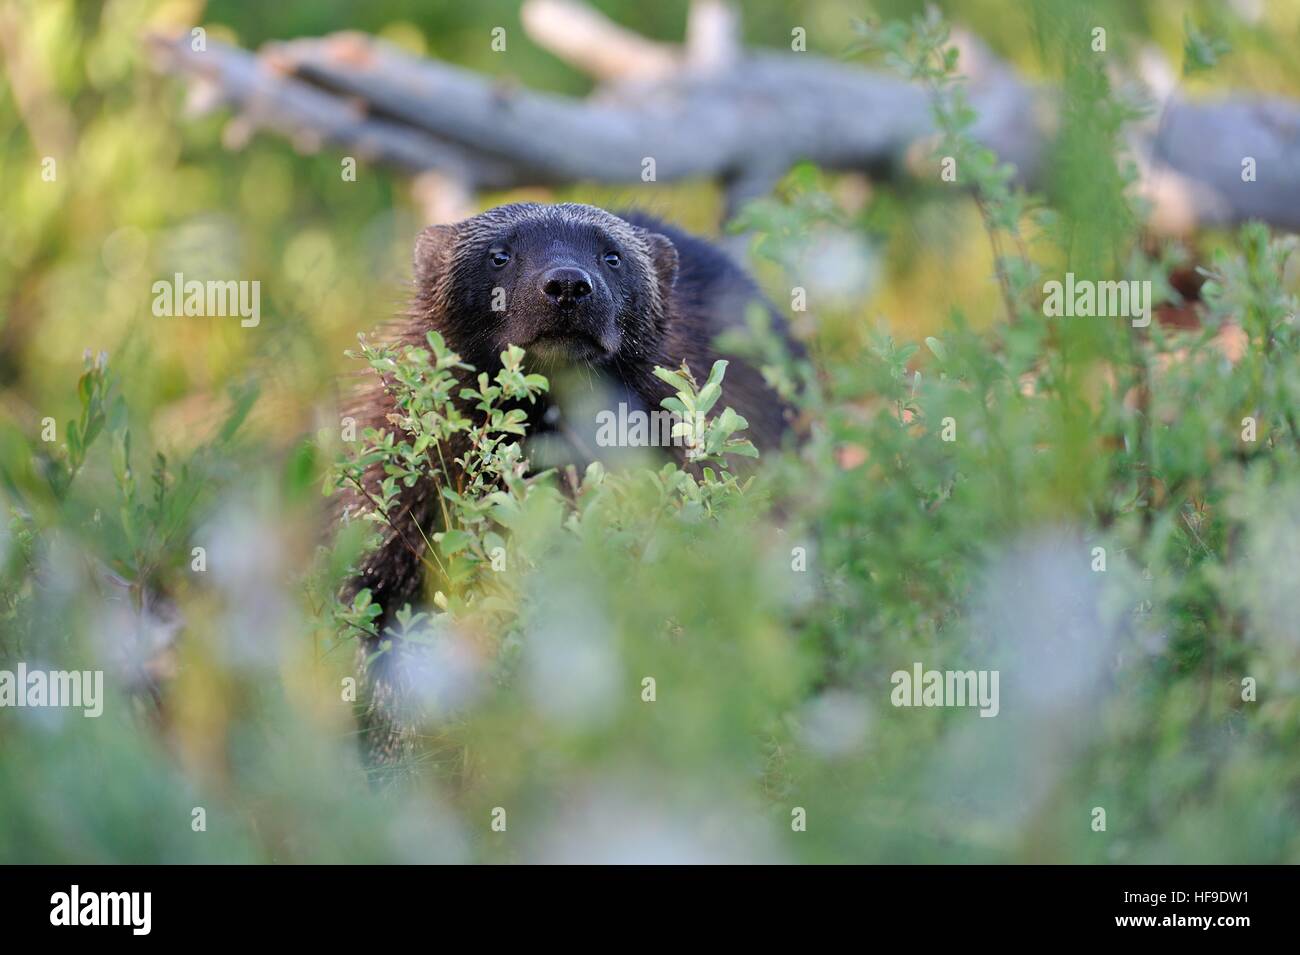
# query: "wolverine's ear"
664, 256
433, 248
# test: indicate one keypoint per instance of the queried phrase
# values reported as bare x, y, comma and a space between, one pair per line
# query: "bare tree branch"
268, 98
740, 117
712, 36
589, 41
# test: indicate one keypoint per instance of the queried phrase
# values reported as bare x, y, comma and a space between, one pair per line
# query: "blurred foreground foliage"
1100, 530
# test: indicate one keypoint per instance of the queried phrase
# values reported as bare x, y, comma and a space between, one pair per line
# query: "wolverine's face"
566, 283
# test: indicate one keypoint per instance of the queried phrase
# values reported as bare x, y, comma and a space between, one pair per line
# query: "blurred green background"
773, 686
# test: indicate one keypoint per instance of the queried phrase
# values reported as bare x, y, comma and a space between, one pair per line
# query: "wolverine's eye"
498, 257
613, 259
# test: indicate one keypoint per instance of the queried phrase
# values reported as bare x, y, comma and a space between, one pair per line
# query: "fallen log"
711, 110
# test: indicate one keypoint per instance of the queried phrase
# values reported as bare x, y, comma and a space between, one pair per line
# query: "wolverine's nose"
566, 286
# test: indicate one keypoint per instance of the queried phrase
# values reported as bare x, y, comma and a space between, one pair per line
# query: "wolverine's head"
568, 282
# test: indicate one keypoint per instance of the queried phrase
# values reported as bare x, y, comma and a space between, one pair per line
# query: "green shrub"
685, 663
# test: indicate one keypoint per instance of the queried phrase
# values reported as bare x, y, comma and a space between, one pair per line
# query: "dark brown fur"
667, 299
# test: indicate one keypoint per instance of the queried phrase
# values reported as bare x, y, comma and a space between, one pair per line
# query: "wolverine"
577, 287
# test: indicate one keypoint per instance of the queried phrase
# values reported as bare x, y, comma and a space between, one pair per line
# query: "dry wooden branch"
589, 41
740, 117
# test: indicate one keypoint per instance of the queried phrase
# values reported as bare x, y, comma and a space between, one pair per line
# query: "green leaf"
454, 541
1200, 52
716, 374
672, 379
674, 404
707, 397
